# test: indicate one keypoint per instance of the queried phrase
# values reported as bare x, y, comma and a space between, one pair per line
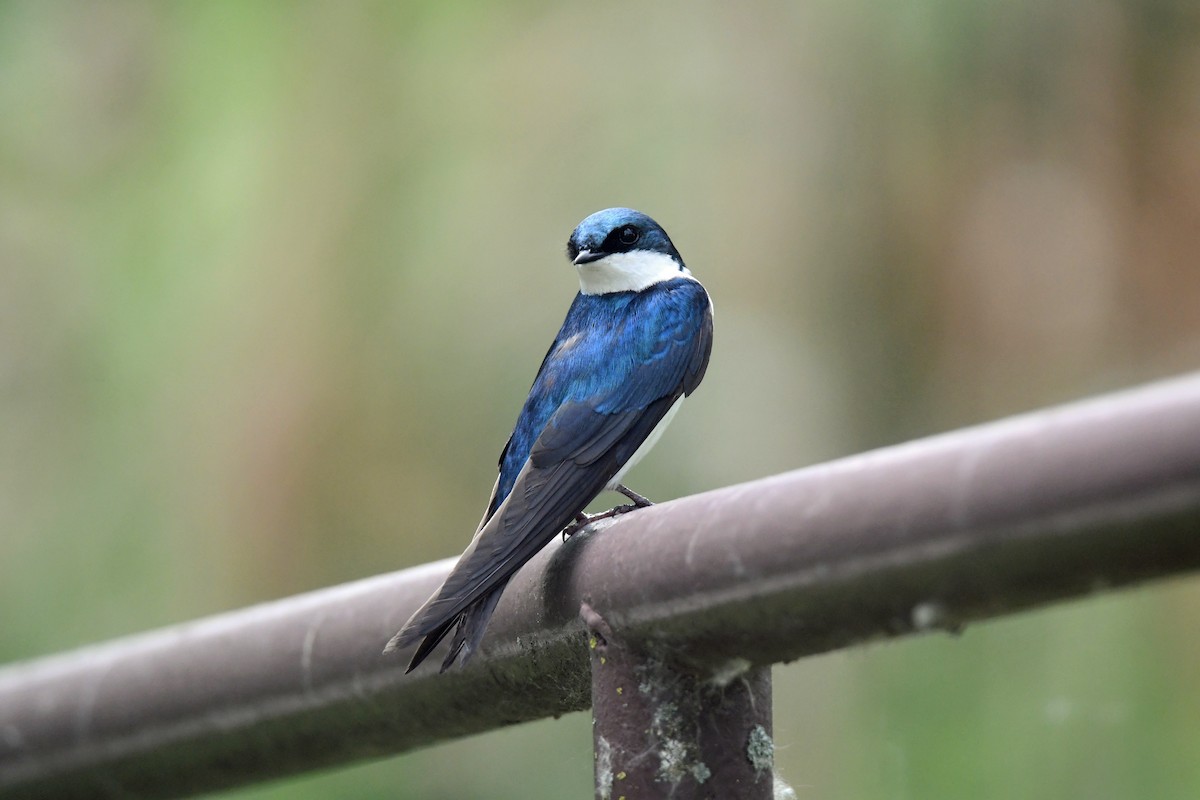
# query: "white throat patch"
628, 272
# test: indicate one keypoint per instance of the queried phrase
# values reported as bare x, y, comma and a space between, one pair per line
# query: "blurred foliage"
275, 277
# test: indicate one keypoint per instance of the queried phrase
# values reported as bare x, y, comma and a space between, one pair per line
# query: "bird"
635, 342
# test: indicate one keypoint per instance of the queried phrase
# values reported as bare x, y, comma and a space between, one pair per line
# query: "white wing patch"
628, 272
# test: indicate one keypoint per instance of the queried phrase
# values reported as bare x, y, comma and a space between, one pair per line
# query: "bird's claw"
583, 520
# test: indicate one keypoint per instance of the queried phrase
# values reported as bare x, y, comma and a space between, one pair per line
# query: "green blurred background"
275, 277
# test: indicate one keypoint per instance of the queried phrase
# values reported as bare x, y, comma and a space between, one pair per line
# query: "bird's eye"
628, 234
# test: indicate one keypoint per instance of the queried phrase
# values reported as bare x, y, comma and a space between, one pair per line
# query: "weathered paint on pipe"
662, 731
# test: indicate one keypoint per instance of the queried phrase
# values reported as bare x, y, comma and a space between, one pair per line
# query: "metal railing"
684, 605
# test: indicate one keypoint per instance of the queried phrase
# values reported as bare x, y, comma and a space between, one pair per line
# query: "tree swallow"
635, 342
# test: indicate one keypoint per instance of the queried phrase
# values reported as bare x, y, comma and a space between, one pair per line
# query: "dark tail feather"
471, 623
471, 626
431, 641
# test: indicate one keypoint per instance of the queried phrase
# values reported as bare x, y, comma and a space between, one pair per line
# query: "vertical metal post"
660, 730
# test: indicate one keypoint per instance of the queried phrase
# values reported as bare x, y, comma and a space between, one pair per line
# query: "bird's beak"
588, 256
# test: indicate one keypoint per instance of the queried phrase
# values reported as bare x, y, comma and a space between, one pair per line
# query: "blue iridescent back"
615, 352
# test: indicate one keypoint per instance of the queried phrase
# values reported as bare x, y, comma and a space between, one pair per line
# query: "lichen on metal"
760, 749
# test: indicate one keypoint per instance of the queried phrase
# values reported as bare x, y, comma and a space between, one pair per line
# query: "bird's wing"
583, 445
543, 501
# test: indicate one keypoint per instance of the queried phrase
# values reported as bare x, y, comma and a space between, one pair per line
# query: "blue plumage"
615, 352
636, 339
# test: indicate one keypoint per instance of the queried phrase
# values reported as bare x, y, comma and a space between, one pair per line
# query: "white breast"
651, 440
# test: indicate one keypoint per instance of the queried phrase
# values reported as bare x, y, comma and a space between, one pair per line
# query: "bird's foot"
638, 500
583, 520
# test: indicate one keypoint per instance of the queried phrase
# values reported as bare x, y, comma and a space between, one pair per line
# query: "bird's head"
622, 250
